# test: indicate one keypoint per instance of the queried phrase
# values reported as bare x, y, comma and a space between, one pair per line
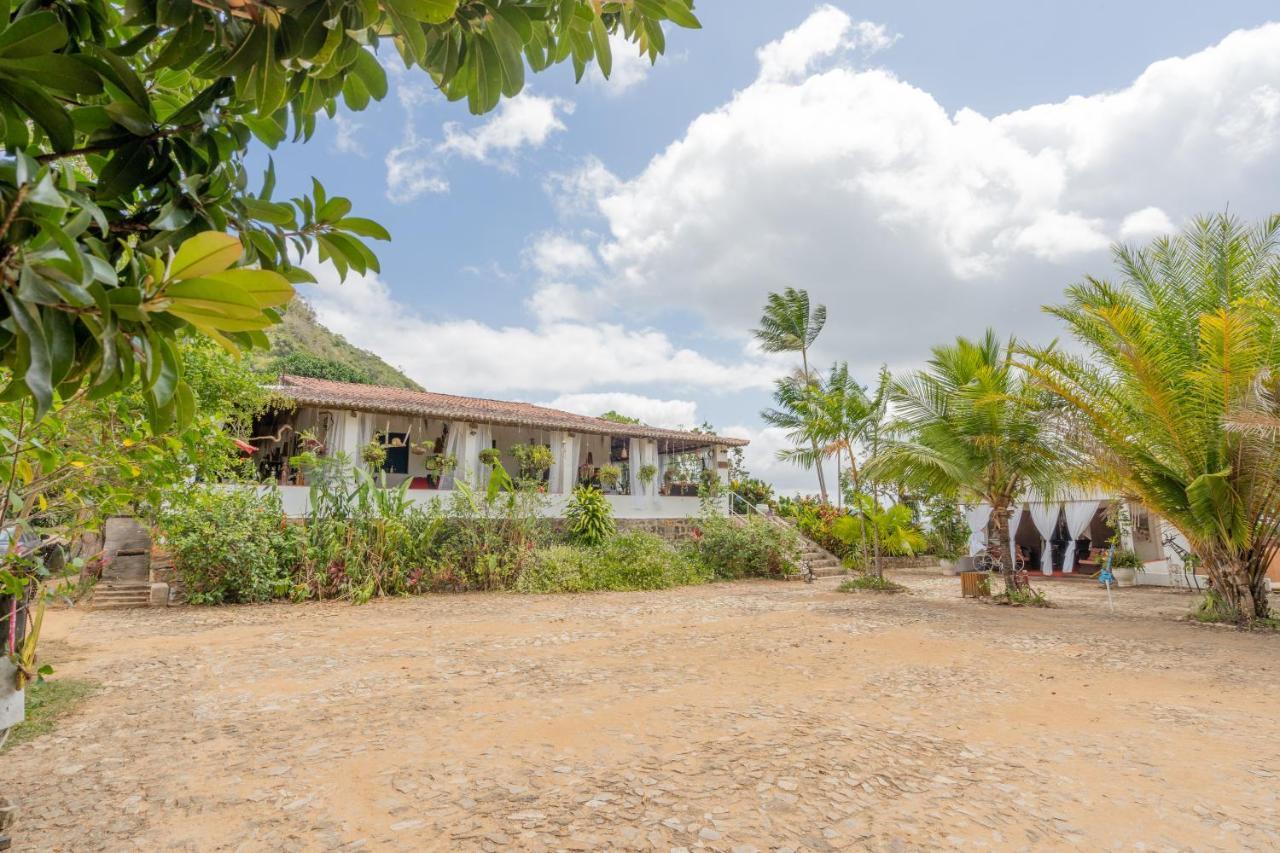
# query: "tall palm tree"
790, 324
1172, 396
975, 428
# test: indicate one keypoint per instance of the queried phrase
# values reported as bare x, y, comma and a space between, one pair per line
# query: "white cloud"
630, 69
345, 141
528, 120
826, 32
554, 254
670, 414
914, 224
416, 166
471, 357
411, 172
578, 192
1145, 223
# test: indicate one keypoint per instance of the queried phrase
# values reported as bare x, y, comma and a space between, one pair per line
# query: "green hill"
300, 333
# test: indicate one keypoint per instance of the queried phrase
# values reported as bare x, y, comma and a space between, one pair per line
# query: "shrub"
231, 545
642, 561
632, 561
871, 582
305, 364
815, 520
589, 516
557, 568
948, 531
753, 547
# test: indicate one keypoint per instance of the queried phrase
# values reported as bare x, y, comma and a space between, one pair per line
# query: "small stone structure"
126, 567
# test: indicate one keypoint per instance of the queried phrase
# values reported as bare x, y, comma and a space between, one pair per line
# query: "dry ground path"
733, 717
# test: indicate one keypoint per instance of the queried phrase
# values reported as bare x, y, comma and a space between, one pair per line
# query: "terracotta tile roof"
401, 401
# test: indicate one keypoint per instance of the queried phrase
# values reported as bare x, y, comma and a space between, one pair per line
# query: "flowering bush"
231, 545
755, 547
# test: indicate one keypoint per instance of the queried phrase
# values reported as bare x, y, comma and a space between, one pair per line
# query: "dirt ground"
748, 716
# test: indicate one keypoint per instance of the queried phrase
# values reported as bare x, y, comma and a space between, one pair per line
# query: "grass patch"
47, 701
872, 583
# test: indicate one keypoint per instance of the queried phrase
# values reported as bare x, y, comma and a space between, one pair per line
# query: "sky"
925, 170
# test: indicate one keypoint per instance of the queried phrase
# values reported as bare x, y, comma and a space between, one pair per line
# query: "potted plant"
442, 463
373, 454
1125, 566
609, 477
490, 457
646, 474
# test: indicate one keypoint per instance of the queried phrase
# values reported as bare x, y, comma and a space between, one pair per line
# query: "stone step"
108, 596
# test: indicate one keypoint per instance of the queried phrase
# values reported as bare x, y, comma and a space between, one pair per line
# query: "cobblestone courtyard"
733, 717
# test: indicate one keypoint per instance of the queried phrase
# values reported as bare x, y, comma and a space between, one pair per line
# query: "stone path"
750, 716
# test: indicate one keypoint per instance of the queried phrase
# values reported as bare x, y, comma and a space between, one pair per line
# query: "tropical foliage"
125, 200
589, 516
791, 324
974, 429
893, 528
1172, 400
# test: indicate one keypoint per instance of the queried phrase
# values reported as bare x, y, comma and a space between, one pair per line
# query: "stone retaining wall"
673, 530
922, 562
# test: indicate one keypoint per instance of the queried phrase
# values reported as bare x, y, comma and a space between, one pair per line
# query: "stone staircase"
112, 595
823, 563
126, 575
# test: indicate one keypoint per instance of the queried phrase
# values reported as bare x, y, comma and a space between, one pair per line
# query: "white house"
422, 432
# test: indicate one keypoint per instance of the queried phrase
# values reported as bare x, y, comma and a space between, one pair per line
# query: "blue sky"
925, 169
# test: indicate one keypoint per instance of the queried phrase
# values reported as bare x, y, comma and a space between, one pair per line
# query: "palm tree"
1172, 397
789, 324
973, 427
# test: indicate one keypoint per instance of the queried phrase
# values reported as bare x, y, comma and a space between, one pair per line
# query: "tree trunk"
1241, 588
813, 442
999, 548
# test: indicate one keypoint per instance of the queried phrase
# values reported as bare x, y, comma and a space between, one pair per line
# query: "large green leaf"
38, 375
427, 11
44, 111
61, 73
267, 288
209, 252
32, 35
207, 295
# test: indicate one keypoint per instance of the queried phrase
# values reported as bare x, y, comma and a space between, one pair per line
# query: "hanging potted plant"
442, 463
646, 474
374, 455
609, 477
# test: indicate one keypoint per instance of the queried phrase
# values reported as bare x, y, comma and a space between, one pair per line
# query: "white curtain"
572, 459
455, 447
483, 441
1078, 515
635, 458
1015, 518
976, 517
1045, 517
555, 477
